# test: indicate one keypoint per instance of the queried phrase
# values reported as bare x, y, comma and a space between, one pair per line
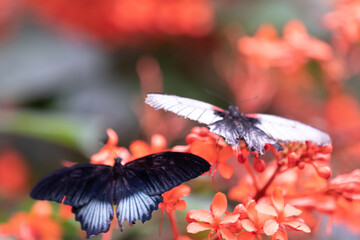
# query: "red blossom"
285, 216
14, 173
37, 224
140, 148
346, 185
213, 149
216, 220
251, 220
127, 21
107, 153
172, 201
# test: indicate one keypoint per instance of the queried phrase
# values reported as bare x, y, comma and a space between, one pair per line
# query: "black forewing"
78, 184
157, 173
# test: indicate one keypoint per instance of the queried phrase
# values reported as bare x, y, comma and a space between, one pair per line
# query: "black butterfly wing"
286, 130
160, 172
137, 205
95, 217
77, 184
144, 180
186, 107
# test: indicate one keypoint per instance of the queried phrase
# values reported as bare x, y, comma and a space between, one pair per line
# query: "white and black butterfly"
255, 129
135, 187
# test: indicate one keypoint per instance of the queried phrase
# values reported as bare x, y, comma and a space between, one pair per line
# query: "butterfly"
136, 187
255, 129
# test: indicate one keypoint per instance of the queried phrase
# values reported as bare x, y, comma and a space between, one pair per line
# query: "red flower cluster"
37, 224
249, 220
127, 21
14, 174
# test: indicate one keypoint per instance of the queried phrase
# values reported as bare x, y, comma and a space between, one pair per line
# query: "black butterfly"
255, 129
135, 187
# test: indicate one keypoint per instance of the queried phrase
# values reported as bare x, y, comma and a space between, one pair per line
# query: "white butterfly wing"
185, 107
287, 130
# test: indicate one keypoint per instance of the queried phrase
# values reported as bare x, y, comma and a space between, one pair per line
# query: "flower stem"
173, 224
248, 168
262, 191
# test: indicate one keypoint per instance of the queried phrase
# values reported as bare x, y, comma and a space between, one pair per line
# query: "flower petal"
290, 211
271, 227
180, 205
278, 199
227, 234
225, 154
158, 143
139, 148
112, 137
218, 205
195, 227
230, 218
248, 225
206, 150
200, 215
177, 192
266, 209
246, 236
226, 170
298, 225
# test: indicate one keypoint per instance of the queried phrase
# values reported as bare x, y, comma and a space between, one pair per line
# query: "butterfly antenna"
216, 95
161, 221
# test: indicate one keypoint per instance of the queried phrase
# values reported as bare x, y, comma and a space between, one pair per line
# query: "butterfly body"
256, 130
135, 188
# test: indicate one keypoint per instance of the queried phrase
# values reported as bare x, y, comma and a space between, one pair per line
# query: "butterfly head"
117, 161
234, 111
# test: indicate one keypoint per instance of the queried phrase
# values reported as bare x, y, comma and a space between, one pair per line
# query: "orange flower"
345, 23
34, 225
251, 220
13, 173
304, 46
346, 185
127, 21
284, 216
209, 146
140, 148
171, 199
348, 213
107, 153
213, 220
265, 49
172, 202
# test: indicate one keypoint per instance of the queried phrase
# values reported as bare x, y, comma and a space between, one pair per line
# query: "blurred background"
71, 69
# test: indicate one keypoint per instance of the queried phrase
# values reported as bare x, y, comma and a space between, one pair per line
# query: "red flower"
346, 185
140, 148
284, 216
127, 21
172, 202
251, 220
13, 173
213, 220
212, 148
107, 153
37, 224
171, 199
345, 23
